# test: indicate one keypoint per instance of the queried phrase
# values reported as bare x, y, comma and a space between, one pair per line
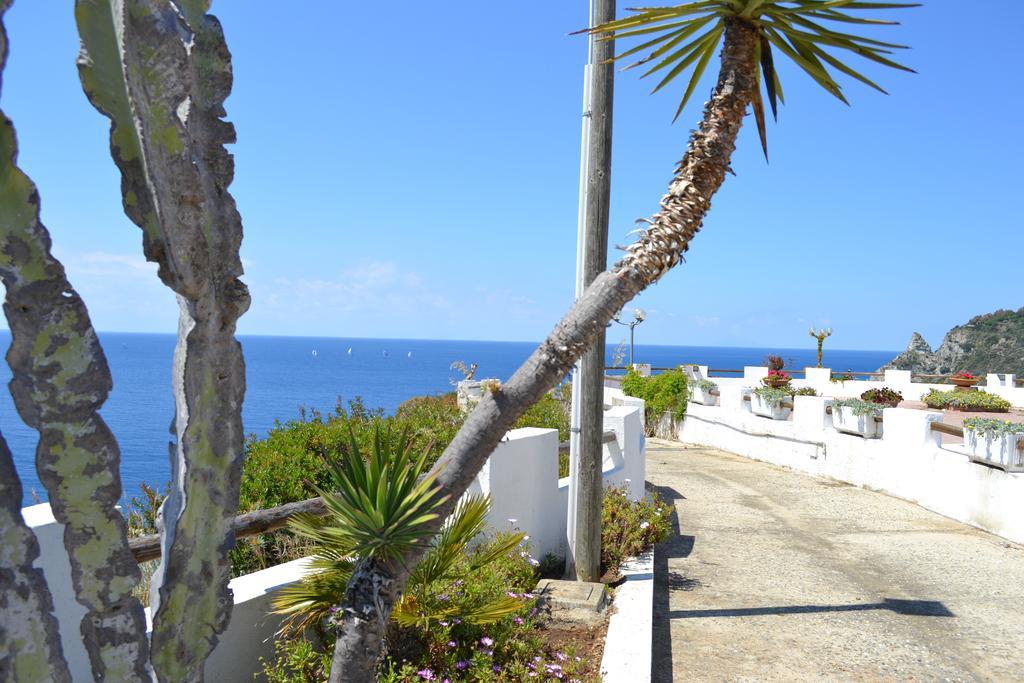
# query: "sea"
286, 374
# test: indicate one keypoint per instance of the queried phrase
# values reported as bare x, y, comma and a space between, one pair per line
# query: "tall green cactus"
60, 381
160, 70
29, 643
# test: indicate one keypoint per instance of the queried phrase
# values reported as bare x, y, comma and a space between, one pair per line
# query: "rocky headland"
993, 342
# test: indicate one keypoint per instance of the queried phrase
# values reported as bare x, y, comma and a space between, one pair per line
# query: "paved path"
775, 575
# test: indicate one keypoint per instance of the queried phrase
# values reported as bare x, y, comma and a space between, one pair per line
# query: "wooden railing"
146, 548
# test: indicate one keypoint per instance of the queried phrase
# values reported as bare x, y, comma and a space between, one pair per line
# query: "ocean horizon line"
761, 347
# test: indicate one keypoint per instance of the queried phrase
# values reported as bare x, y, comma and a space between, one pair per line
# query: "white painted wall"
908, 462
521, 476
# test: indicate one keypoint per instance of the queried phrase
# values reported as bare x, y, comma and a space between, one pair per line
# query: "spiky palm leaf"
683, 38
381, 503
442, 562
309, 601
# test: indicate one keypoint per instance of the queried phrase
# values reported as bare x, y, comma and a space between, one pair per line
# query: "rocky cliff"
993, 342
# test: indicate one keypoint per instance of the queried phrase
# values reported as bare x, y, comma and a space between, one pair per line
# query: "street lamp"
638, 317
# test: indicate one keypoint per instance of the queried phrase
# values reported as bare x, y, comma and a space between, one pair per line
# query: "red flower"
964, 375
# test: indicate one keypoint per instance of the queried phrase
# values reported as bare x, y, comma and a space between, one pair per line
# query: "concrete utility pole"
585, 487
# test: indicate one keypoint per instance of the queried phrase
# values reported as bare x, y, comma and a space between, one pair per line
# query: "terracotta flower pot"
964, 381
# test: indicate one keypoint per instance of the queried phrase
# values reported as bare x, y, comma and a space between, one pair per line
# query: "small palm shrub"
629, 528
980, 401
885, 396
664, 393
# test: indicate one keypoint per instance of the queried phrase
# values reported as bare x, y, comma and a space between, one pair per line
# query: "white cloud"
106, 264
370, 286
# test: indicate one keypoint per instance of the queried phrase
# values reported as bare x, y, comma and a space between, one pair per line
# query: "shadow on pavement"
675, 546
916, 608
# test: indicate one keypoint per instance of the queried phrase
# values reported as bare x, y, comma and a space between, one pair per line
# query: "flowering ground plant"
966, 400
885, 396
628, 527
771, 395
777, 378
858, 406
987, 427
706, 385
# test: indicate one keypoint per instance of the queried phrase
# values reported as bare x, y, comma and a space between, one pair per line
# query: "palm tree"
682, 38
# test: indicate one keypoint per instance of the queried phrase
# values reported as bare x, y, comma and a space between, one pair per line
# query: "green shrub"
858, 406
803, 391
298, 660
664, 393
980, 401
885, 396
629, 528
550, 412
989, 427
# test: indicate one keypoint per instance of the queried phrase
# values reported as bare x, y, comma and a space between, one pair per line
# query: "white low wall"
898, 380
521, 477
908, 461
236, 658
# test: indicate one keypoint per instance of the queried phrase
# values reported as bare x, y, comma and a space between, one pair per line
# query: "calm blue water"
284, 374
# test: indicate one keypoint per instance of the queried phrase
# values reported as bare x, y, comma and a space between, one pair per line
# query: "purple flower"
534, 562
443, 623
559, 656
425, 674
443, 597
518, 621
452, 643
462, 665
486, 642
496, 669
512, 594
489, 653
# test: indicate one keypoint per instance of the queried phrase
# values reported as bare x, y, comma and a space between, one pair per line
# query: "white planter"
758, 406
997, 449
704, 398
845, 421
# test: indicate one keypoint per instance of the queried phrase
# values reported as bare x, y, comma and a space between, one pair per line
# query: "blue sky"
414, 174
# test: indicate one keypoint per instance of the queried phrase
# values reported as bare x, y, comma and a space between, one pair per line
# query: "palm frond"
381, 503
793, 28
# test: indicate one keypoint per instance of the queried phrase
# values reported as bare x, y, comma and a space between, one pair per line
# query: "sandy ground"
774, 575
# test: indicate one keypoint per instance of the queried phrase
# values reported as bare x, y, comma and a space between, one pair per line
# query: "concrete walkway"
775, 575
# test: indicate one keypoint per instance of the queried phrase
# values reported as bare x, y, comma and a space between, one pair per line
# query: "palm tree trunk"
376, 586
